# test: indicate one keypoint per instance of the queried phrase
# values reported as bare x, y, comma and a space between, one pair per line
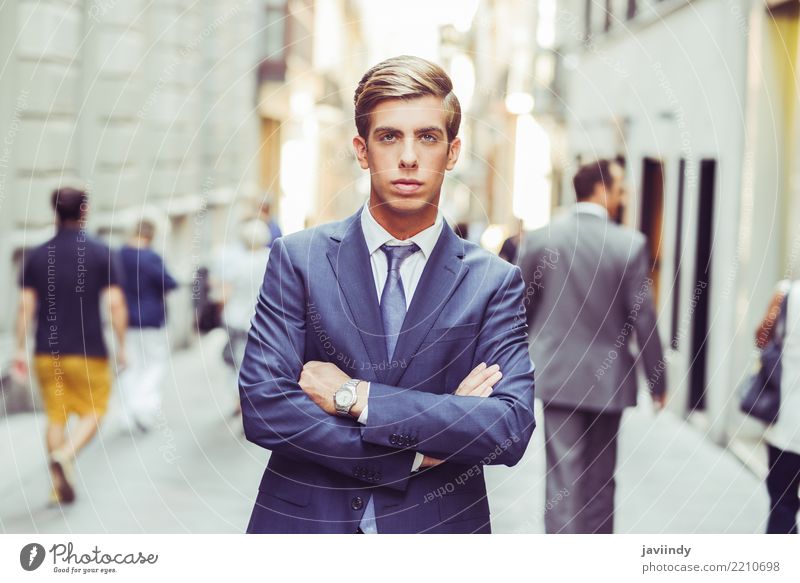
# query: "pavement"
194, 472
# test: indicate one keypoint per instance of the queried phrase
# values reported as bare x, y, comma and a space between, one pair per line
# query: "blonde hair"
405, 77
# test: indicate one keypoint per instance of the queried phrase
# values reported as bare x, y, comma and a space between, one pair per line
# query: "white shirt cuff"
417, 462
363, 417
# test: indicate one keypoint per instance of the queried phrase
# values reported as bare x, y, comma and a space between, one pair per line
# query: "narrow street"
195, 472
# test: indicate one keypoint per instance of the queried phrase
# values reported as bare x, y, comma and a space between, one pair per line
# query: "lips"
407, 185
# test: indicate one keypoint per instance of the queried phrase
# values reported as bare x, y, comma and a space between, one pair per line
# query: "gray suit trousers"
581, 452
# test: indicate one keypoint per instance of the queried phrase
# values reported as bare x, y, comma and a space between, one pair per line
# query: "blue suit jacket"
318, 302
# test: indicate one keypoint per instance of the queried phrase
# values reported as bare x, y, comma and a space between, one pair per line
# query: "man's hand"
19, 368
320, 380
480, 382
659, 401
429, 462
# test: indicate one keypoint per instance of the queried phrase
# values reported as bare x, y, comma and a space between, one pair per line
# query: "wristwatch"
345, 397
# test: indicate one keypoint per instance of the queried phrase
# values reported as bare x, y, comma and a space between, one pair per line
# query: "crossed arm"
285, 412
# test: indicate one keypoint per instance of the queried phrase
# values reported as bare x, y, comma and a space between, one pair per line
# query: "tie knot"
396, 254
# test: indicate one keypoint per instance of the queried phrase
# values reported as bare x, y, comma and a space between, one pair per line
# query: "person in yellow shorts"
88, 381
62, 284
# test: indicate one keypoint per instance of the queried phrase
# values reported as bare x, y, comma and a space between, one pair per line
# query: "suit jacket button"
357, 503
393, 439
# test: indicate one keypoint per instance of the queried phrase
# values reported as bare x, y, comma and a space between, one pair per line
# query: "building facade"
148, 105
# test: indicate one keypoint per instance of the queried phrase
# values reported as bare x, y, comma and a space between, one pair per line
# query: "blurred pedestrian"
62, 283
461, 229
510, 249
783, 436
588, 292
239, 274
147, 283
265, 215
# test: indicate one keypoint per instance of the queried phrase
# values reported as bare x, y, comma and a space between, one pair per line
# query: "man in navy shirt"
62, 284
146, 284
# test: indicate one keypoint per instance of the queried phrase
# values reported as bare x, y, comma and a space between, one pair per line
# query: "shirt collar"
591, 208
375, 235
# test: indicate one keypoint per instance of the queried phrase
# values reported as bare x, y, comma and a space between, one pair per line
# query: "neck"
401, 226
69, 224
139, 243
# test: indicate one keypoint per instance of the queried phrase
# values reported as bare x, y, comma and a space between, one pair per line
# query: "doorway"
701, 291
651, 220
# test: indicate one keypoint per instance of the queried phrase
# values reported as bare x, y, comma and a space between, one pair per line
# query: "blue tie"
393, 312
393, 298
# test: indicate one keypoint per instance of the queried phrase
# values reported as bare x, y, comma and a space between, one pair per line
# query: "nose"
408, 157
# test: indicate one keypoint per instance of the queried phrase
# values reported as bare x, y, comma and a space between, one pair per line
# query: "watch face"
343, 398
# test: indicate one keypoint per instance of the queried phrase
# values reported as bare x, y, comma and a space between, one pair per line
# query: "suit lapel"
443, 273
349, 259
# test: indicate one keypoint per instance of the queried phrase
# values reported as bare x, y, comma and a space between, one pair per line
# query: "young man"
62, 283
388, 362
591, 291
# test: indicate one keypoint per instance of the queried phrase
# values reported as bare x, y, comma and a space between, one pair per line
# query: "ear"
360, 148
453, 152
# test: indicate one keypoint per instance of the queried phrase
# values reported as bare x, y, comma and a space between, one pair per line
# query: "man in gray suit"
588, 291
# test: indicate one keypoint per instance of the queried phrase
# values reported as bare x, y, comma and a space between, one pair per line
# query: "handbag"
761, 397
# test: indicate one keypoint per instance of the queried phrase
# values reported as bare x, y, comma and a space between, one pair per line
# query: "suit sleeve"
277, 414
469, 430
639, 291
529, 261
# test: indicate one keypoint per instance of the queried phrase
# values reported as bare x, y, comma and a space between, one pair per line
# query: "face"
407, 154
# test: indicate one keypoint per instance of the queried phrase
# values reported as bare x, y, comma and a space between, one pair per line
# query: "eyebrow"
389, 129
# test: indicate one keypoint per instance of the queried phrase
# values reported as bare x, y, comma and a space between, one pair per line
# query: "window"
631, 12
273, 44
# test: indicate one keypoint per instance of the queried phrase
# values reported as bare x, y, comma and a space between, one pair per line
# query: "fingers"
487, 377
477, 369
470, 381
429, 462
485, 388
475, 384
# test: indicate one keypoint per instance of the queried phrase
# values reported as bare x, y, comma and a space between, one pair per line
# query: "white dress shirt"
410, 270
591, 208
